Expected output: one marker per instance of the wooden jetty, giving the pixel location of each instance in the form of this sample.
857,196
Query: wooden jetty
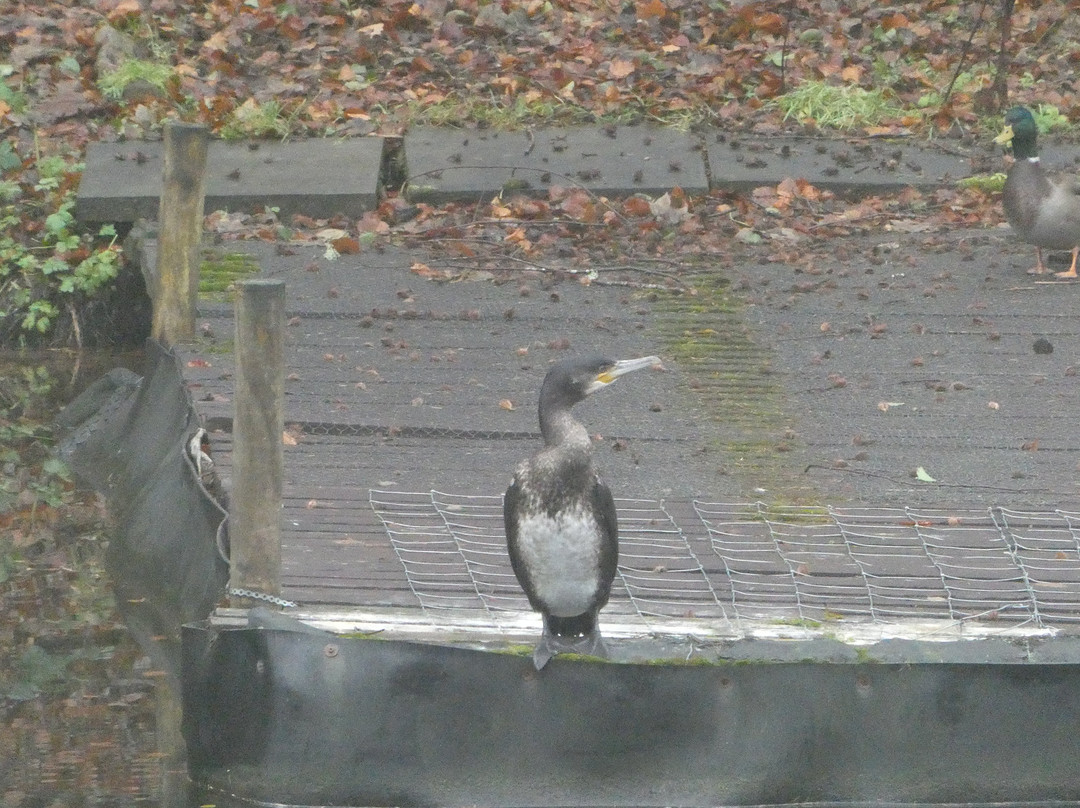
767,654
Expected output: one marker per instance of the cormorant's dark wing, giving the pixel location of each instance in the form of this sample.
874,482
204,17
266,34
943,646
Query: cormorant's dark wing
604,508
511,515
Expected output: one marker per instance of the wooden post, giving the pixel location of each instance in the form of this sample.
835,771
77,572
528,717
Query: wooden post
180,216
258,463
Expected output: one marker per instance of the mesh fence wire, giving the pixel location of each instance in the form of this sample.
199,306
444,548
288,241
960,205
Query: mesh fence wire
737,562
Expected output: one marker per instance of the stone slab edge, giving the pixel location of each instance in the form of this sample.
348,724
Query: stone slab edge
319,178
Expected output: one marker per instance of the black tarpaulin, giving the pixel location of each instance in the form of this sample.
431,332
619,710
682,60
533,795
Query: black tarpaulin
125,437
279,712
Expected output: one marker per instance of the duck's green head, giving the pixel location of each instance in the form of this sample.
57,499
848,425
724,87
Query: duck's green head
1020,133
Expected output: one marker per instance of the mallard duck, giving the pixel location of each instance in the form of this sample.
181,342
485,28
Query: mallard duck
1043,209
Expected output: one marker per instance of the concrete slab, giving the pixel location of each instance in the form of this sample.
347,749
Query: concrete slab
864,165
319,178
448,164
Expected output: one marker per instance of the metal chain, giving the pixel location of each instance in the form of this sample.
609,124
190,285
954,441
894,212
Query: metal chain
251,595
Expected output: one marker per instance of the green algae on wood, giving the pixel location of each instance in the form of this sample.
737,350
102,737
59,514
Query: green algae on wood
220,271
732,378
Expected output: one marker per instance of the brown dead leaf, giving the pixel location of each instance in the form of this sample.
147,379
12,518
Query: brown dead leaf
346,245
123,11
621,68
852,73
651,9
371,223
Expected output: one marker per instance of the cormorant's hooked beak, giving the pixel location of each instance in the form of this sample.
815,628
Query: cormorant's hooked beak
621,368
1006,136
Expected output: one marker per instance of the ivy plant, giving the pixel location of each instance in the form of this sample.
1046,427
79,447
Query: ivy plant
48,265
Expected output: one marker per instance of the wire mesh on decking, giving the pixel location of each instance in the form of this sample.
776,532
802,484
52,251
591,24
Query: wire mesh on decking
728,566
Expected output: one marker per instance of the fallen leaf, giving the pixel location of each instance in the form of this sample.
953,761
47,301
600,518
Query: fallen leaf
346,245
621,68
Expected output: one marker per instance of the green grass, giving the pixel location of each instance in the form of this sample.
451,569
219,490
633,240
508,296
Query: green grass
830,106
113,84
252,119
524,111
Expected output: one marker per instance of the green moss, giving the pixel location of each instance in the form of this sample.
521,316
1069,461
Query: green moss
863,656
732,380
799,622
218,273
362,635
696,662
582,658
516,650
988,183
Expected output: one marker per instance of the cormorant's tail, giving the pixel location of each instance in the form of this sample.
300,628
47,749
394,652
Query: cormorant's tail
569,635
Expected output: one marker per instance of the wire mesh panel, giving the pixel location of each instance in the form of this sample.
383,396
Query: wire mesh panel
453,551
828,582
1046,549
901,579
759,580
979,574
719,564
477,524
436,569
659,571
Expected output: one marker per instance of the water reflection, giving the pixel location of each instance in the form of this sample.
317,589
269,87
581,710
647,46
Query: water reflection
86,716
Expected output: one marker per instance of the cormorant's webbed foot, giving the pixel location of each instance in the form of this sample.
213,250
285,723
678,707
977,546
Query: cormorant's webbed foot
590,644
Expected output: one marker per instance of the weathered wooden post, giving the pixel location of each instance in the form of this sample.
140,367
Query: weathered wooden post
258,462
180,218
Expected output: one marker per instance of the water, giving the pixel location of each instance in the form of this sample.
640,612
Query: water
79,706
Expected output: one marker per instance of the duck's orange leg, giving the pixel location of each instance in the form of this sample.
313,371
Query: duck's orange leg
1071,272
1040,267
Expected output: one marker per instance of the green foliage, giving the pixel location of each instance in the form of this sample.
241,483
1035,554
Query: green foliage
491,111
1048,118
987,183
837,107
33,671
13,98
24,442
47,264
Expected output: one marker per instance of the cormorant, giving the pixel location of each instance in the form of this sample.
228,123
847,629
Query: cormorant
560,521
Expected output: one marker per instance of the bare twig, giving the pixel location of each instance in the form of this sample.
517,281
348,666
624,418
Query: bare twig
78,343
963,54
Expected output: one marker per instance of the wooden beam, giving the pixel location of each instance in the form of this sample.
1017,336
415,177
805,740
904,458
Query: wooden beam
258,462
180,219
